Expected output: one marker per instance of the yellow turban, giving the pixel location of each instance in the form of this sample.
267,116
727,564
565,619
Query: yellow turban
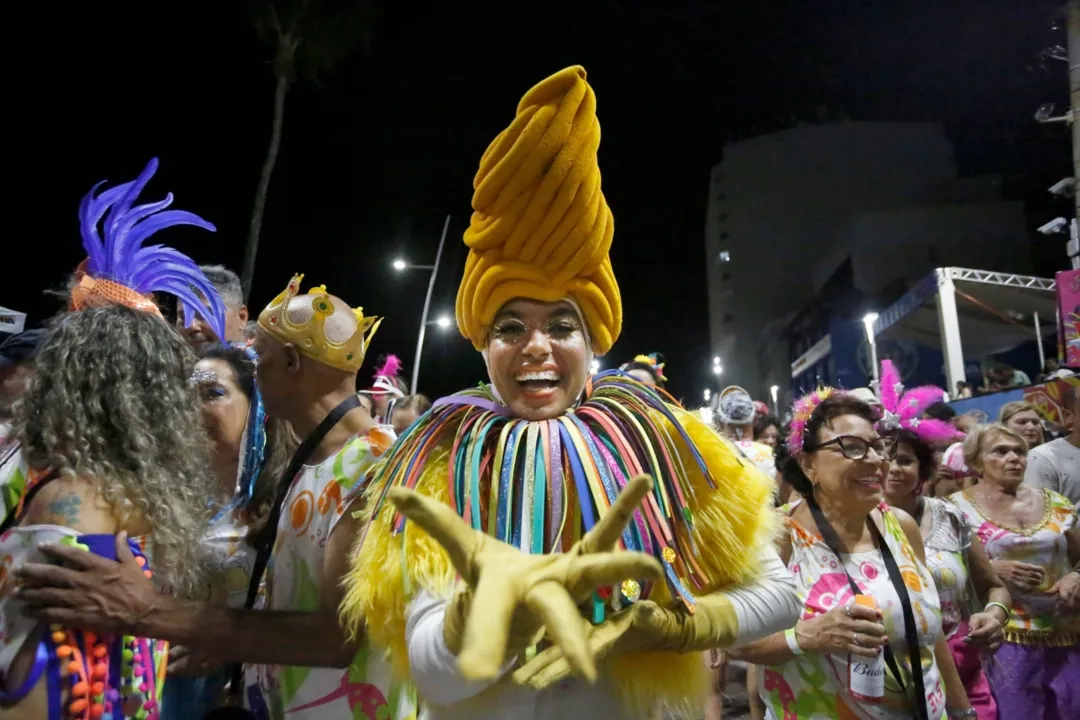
540,227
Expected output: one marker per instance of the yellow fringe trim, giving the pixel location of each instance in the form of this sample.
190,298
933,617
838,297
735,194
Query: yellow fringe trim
1035,638
730,524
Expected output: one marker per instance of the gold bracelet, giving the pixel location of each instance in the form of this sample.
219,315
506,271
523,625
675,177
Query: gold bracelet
1008,613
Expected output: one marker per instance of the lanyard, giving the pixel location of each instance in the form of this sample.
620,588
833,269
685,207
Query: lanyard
828,534
264,543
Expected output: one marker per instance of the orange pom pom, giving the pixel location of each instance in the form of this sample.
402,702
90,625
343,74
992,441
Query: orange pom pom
97,688
80,689
140,561
59,636
78,706
100,651
148,574
63,651
74,667
96,711
100,671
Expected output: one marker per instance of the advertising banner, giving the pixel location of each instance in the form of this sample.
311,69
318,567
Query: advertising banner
1068,295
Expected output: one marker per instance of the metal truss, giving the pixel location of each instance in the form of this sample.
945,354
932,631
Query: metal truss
1001,279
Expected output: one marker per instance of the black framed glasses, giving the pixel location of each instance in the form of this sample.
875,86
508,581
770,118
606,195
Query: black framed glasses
854,447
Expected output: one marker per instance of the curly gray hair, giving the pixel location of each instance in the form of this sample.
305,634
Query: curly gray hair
110,402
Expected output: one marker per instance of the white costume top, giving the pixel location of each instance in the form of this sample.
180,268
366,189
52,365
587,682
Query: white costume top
766,606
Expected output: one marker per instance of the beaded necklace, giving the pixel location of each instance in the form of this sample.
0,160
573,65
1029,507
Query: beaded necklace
106,678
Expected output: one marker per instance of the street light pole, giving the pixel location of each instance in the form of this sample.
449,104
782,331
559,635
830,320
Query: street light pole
1072,19
871,337
427,306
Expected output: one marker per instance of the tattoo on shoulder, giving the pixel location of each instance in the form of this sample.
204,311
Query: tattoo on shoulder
66,507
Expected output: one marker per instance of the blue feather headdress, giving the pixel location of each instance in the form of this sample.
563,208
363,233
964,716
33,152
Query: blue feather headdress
119,270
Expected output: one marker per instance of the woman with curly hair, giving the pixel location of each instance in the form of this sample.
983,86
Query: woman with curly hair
113,448
110,421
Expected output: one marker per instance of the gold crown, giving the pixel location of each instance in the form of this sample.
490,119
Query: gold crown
319,325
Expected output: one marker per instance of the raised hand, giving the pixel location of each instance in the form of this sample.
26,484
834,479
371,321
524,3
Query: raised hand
510,590
642,625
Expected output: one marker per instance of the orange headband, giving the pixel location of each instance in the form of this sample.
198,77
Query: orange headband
97,292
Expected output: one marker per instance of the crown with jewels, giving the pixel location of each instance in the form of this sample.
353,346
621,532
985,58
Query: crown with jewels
316,328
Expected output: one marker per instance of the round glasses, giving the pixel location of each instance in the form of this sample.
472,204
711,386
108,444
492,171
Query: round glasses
854,447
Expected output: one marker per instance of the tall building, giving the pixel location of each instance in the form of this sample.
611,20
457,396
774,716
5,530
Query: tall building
788,209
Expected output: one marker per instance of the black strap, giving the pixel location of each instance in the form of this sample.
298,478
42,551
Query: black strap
264,543
831,539
14,516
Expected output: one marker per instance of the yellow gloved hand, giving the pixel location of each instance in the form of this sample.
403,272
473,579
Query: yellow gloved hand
510,589
642,626
525,629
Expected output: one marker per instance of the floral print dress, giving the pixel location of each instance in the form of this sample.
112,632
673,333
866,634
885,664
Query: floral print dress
815,687
1035,617
947,546
1036,672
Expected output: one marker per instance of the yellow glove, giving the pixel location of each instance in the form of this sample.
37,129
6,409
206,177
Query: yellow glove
510,590
525,629
642,626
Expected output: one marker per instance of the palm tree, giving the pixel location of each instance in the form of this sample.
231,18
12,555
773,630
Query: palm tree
308,38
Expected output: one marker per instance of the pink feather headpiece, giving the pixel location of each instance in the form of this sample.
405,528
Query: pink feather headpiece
801,413
902,409
385,377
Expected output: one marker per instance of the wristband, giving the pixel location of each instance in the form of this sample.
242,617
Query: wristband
1008,613
969,712
792,642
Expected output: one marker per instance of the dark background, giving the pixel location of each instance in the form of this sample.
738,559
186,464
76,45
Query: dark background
385,147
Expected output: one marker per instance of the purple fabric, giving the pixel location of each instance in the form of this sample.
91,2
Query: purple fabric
1036,682
969,666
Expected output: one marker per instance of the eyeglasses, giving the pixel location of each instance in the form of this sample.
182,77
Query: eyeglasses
854,447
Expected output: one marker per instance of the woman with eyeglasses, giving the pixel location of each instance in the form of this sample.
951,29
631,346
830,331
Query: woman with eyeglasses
870,607
1032,539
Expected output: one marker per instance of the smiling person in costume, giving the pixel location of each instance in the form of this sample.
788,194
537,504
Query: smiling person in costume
527,488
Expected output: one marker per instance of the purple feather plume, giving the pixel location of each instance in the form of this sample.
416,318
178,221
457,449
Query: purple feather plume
121,257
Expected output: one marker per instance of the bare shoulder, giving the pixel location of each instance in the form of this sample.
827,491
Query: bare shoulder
70,502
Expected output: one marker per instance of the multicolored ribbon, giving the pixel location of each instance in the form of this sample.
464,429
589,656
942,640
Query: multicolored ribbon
554,479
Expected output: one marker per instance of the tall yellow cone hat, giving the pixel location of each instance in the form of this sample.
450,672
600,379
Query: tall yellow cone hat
540,227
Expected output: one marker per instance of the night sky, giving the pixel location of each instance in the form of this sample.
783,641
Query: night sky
376,155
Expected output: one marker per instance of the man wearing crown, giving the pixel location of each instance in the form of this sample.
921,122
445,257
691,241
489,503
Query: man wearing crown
310,347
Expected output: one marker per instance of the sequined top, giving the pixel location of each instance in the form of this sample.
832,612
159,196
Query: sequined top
1035,618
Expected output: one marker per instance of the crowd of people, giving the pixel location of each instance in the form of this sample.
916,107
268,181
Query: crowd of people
212,516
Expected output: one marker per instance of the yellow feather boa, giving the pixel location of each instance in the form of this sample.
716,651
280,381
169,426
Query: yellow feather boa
731,522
